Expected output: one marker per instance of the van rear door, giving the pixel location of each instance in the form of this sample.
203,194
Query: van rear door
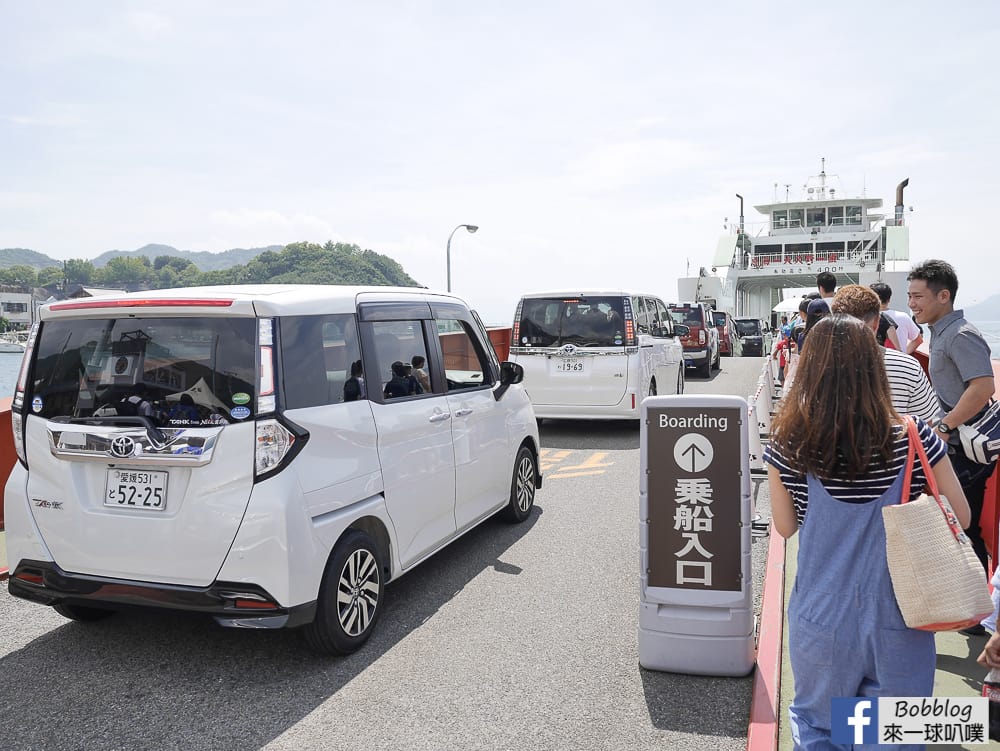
572,349
157,497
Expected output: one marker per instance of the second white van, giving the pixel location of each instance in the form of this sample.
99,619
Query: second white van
596,353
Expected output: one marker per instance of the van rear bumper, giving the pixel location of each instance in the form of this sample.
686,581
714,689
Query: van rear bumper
232,604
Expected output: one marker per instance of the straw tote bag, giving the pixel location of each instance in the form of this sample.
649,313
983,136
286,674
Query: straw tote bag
939,582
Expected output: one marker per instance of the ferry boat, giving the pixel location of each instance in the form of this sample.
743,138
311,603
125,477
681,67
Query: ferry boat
756,271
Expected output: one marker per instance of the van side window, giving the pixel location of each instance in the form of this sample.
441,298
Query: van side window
641,315
466,364
663,319
318,354
397,345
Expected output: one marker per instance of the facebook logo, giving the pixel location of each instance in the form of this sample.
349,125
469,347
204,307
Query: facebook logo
854,720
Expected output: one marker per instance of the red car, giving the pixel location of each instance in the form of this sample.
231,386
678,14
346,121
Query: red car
729,337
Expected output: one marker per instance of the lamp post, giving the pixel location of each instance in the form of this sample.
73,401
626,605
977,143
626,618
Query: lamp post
472,229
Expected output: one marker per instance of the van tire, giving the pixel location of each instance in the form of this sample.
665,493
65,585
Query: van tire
705,371
652,387
354,571
522,487
680,379
82,613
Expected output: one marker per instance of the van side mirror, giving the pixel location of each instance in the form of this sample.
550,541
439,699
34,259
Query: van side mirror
510,373
681,329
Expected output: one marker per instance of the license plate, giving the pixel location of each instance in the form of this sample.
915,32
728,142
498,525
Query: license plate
141,489
570,366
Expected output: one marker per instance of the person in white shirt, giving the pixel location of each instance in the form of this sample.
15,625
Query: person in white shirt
907,331
826,283
911,390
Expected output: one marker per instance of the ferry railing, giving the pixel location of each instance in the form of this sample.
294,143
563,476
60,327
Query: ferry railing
858,254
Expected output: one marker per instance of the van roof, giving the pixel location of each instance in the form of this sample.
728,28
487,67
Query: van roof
590,292
250,299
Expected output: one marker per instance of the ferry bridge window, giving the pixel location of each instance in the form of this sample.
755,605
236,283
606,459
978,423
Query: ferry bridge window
816,217
780,219
795,217
836,215
854,215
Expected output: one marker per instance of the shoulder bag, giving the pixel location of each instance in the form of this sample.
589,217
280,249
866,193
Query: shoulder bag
939,583
981,437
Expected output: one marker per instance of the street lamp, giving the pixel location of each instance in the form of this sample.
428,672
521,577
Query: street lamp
472,229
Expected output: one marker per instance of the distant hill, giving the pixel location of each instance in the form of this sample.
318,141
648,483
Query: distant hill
202,259
24,257
987,310
303,262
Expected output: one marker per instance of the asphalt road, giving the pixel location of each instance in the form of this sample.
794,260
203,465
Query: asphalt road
515,637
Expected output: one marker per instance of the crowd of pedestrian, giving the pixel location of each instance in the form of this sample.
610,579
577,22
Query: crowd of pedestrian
838,455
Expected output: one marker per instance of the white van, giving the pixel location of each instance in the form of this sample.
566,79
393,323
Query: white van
260,454
596,353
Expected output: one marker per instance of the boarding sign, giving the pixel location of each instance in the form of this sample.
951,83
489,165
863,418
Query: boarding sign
695,593
694,479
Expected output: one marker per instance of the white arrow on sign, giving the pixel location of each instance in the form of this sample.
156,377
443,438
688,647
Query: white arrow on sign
693,452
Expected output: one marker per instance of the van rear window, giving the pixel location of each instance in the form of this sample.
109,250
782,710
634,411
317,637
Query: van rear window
179,371
583,321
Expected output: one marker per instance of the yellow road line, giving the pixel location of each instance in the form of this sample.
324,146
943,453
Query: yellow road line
573,474
594,460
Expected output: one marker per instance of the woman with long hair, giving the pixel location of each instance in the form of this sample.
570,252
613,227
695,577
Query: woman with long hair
837,455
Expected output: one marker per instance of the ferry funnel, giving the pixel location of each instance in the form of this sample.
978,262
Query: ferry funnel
899,201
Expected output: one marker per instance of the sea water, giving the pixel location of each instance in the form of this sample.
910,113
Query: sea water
10,362
10,365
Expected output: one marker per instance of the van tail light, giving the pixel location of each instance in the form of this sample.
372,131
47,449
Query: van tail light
17,425
16,415
274,442
629,323
702,337
265,367
515,330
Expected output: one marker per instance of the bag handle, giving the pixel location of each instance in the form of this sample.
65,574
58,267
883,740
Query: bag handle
916,446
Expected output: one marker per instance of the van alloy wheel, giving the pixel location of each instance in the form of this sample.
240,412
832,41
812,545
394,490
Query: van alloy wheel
357,593
350,596
522,486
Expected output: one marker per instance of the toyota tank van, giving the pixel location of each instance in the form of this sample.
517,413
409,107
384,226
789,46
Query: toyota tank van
237,451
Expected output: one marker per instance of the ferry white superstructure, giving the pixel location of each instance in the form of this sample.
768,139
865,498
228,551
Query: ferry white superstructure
822,231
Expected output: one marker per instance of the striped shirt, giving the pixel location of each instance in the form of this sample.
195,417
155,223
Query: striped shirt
866,488
912,393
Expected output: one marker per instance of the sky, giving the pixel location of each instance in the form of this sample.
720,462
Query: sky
594,144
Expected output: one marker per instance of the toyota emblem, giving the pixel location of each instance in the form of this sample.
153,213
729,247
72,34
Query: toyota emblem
122,446
568,350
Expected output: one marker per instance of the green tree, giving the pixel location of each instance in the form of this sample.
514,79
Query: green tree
19,276
50,275
79,271
126,271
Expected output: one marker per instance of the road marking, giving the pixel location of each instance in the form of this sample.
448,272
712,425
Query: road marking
574,474
591,465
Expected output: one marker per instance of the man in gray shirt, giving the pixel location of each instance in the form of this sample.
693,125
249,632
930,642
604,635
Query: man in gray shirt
960,371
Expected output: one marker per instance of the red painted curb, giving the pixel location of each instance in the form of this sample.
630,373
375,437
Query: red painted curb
765,703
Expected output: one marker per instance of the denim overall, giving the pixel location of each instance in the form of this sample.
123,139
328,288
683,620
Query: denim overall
846,636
